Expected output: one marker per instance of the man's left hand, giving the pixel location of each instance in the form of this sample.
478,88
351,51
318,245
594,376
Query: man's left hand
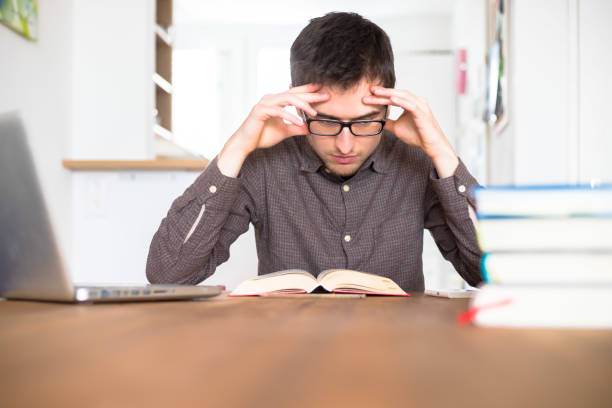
417,126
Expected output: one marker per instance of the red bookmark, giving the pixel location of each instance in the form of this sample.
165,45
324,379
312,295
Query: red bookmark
469,315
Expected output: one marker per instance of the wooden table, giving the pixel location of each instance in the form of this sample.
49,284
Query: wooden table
291,352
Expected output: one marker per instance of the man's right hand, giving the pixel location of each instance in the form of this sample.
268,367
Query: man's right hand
264,127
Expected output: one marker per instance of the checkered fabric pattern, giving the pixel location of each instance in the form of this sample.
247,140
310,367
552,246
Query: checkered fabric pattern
309,219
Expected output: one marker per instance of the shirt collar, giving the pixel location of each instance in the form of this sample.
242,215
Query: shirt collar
311,162
377,160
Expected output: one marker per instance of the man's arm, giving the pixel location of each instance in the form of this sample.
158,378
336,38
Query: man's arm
264,127
447,206
447,216
195,236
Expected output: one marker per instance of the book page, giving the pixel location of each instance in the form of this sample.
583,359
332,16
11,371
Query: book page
348,280
285,272
288,280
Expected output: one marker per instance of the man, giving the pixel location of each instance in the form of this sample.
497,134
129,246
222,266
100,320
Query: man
337,186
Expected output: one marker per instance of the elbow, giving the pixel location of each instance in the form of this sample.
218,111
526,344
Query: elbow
153,274
158,273
155,270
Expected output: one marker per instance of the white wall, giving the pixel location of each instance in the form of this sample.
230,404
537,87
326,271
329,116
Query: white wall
534,146
115,216
36,81
539,70
112,64
595,79
469,34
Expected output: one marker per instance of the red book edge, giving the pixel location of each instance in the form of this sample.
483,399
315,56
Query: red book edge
469,315
335,291
369,293
271,293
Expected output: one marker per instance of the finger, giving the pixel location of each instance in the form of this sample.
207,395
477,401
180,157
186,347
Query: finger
393,100
406,104
388,92
298,102
306,88
286,99
376,100
404,99
314,97
288,116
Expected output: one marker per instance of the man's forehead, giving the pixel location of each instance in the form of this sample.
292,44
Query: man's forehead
347,103
362,88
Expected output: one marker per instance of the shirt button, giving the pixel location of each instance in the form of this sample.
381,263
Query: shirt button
346,188
212,189
347,238
461,188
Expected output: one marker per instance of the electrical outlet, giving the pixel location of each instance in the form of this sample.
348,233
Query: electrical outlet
97,197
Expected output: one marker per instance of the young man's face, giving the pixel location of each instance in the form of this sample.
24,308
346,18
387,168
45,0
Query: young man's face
344,153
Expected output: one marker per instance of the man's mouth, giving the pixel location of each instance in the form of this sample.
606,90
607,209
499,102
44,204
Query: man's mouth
344,159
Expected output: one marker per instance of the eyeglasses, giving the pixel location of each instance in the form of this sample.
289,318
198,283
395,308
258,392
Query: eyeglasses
330,127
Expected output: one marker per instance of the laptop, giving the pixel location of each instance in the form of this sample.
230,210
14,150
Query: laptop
31,265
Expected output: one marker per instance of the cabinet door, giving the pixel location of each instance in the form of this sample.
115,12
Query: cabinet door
595,53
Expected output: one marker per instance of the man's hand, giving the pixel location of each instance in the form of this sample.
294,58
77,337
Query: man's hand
264,127
417,126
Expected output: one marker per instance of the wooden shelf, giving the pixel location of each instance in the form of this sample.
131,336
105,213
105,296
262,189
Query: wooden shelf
162,74
155,164
164,13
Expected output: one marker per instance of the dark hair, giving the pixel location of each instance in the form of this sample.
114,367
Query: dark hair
339,50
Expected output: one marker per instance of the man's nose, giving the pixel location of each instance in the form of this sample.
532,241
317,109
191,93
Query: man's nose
345,141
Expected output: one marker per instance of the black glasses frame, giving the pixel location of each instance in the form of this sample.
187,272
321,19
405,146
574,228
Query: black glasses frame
347,124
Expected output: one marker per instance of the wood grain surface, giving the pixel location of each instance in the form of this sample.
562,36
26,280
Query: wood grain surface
118,165
291,352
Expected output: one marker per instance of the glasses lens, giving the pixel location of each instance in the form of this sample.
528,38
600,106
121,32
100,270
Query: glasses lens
366,128
322,127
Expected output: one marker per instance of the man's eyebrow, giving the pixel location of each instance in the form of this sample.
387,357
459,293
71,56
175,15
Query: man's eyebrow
362,117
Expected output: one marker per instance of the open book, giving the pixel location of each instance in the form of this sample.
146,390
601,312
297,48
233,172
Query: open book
332,280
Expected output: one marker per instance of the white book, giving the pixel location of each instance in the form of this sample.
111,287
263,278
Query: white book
544,201
331,280
545,234
536,306
562,268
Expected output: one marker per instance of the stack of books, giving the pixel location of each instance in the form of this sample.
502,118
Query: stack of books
548,256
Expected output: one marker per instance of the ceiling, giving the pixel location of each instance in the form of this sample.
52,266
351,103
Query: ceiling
290,13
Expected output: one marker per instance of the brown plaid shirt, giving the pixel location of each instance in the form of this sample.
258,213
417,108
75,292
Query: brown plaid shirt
308,219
